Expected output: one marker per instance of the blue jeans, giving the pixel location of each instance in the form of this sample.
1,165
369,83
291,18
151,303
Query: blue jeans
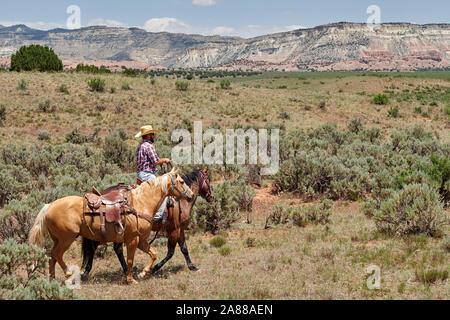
146,176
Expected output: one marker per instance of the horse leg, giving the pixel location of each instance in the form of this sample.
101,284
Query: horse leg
185,251
118,249
52,262
58,253
131,250
145,246
88,248
171,244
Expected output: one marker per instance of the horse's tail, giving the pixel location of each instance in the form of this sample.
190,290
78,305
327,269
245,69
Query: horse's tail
39,229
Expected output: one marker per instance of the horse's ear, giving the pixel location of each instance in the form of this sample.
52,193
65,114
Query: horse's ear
173,170
205,169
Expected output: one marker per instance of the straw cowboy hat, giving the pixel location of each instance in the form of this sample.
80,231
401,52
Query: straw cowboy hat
145,130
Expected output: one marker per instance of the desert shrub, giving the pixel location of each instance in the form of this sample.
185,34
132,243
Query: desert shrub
22,268
22,85
46,107
217,242
16,181
97,85
35,57
414,210
285,116
224,251
322,105
76,137
117,151
429,276
182,85
394,112
225,84
381,99
16,220
221,212
355,125
63,89
112,90
299,216
446,110
44,135
2,113
126,86
130,73
92,69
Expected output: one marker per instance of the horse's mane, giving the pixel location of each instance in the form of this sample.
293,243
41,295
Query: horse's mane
190,178
162,181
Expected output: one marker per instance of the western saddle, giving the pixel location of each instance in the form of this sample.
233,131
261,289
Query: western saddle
110,205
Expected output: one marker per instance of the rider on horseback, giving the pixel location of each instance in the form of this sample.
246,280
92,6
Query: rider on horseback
147,160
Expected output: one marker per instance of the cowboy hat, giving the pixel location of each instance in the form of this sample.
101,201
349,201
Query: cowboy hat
145,130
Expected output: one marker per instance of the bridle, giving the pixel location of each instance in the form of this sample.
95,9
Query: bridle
174,187
205,182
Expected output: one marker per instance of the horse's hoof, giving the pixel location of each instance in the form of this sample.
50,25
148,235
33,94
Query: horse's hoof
142,275
193,268
84,276
132,281
68,275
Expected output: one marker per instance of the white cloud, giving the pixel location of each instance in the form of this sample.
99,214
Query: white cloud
107,22
204,3
223,31
167,25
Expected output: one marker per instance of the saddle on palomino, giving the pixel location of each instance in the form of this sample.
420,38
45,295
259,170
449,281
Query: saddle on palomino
110,205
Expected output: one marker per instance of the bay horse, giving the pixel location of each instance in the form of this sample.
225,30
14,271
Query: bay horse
178,220
64,221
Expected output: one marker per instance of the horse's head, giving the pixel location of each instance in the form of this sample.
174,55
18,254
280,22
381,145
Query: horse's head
205,186
179,188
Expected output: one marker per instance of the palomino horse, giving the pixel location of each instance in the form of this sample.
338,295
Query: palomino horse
64,221
199,183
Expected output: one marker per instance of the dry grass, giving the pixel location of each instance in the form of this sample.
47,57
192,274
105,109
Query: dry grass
315,262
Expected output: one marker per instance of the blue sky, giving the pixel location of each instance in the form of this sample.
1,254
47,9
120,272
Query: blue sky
245,18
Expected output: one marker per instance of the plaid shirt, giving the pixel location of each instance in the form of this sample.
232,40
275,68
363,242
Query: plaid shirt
146,157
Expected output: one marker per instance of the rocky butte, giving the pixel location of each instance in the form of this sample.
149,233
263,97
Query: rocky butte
337,46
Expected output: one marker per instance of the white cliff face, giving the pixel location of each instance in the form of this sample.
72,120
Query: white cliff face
340,46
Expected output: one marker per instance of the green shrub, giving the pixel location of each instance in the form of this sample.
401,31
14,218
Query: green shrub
76,137
394,112
431,275
299,216
63,89
414,210
381,99
224,251
22,85
225,84
35,57
2,113
46,107
220,213
113,90
92,69
44,135
97,85
130,73
446,110
182,85
126,86
117,151
22,268
217,242
355,125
